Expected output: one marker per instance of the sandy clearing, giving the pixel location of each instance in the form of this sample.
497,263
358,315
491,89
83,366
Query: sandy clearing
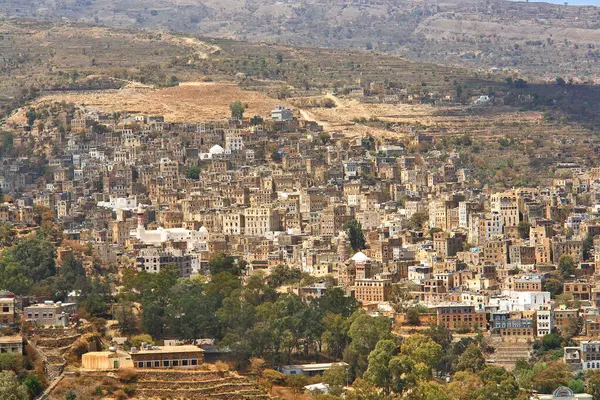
195,102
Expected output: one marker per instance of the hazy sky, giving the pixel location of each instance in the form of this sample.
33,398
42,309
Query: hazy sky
574,2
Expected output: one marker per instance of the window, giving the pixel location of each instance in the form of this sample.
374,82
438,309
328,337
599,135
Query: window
157,363
166,362
184,362
148,364
175,362
140,364
194,361
5,309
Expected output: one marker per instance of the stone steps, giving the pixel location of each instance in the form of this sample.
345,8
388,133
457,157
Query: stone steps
172,375
195,393
192,384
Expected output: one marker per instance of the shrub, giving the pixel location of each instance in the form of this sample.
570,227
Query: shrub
71,395
273,376
129,390
120,395
256,366
33,385
296,382
222,366
11,361
137,340
128,375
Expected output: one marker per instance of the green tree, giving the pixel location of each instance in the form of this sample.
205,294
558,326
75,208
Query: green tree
523,229
72,276
428,391
284,275
193,172
554,284
221,286
471,360
499,384
566,266
417,220
7,233
93,296
593,383
378,371
137,340
365,332
442,336
577,385
31,260
355,234
336,377
551,341
573,327
11,362
124,314
335,335
31,115
237,110
363,390
192,311
465,385
412,316
33,385
336,301
10,388
401,298
422,349
549,377
221,262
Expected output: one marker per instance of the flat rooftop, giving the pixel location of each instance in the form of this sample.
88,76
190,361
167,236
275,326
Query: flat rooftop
169,350
43,305
314,367
10,339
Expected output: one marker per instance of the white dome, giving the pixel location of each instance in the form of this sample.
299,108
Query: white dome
216,149
203,229
360,257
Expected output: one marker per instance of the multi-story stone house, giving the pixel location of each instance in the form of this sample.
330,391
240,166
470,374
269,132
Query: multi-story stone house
260,220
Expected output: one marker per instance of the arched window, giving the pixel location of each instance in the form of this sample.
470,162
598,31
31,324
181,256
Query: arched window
166,362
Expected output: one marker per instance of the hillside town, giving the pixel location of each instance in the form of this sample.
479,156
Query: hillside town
109,220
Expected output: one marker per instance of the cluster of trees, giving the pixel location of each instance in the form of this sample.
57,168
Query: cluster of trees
11,387
21,377
405,366
249,317
29,268
253,320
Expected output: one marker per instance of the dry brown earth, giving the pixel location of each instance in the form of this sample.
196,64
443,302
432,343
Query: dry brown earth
191,102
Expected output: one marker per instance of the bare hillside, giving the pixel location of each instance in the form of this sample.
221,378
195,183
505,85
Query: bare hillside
538,40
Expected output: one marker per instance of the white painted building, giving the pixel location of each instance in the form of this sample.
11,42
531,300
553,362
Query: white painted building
511,300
